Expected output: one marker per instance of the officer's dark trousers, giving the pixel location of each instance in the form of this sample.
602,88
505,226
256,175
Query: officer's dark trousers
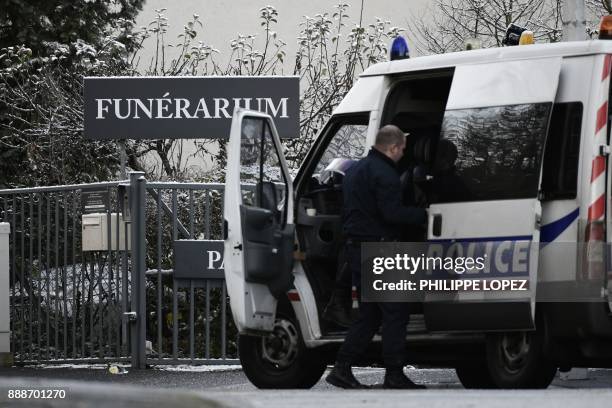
392,316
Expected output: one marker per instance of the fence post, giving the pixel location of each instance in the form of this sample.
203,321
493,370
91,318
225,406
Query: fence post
6,358
138,209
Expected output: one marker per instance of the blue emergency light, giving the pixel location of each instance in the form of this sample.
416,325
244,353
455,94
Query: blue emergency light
399,49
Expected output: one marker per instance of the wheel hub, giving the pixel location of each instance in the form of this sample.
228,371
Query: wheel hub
514,350
281,346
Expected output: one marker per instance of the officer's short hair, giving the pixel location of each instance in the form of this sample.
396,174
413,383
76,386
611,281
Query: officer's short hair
389,135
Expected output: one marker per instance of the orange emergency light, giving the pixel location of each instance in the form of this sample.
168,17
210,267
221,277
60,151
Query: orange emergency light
526,38
605,28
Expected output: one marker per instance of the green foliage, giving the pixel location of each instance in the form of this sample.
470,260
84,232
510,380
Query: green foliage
34,22
41,114
46,47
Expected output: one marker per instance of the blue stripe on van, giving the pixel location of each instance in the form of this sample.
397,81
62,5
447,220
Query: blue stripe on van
486,239
550,232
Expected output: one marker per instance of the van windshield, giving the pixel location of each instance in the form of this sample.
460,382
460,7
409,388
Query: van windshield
491,153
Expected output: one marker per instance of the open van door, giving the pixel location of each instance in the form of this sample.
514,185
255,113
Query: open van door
489,159
258,222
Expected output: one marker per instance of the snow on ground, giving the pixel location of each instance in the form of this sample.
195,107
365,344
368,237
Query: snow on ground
168,367
198,368
97,366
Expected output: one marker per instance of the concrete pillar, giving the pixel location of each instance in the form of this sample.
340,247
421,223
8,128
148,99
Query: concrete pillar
6,358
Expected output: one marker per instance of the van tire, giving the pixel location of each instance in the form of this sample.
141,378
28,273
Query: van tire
517,360
475,376
301,369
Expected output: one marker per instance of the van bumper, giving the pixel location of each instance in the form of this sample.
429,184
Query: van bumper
478,316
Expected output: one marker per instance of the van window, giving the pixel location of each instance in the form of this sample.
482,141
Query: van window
491,153
416,104
560,168
260,163
348,142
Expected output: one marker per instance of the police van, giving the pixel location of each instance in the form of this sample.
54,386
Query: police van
530,125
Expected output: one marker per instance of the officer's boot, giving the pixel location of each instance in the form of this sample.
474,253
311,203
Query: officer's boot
342,376
396,379
338,310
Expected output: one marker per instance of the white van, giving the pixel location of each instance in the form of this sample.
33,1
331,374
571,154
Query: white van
531,128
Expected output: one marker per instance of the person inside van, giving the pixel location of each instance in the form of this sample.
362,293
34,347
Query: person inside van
446,185
414,170
373,212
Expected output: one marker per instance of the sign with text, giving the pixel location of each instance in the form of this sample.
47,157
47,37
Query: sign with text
198,259
185,107
94,201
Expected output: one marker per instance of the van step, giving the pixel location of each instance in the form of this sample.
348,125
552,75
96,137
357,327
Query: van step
415,326
423,338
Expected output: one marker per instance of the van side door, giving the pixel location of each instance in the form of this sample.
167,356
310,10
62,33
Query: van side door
486,182
258,218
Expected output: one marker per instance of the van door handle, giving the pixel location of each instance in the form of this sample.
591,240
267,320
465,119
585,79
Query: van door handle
437,225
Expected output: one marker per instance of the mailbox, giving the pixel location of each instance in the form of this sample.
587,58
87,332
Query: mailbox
95,228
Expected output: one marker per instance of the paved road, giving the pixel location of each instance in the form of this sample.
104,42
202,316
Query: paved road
146,388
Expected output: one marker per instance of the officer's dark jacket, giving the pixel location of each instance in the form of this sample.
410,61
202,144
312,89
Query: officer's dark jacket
372,200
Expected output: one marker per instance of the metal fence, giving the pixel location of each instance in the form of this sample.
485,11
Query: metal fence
65,304
121,303
190,321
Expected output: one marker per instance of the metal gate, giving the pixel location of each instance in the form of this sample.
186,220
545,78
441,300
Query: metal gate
119,303
192,321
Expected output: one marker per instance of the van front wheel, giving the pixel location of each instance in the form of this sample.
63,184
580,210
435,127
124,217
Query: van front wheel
517,360
281,359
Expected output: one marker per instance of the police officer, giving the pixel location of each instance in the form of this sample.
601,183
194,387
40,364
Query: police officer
373,211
